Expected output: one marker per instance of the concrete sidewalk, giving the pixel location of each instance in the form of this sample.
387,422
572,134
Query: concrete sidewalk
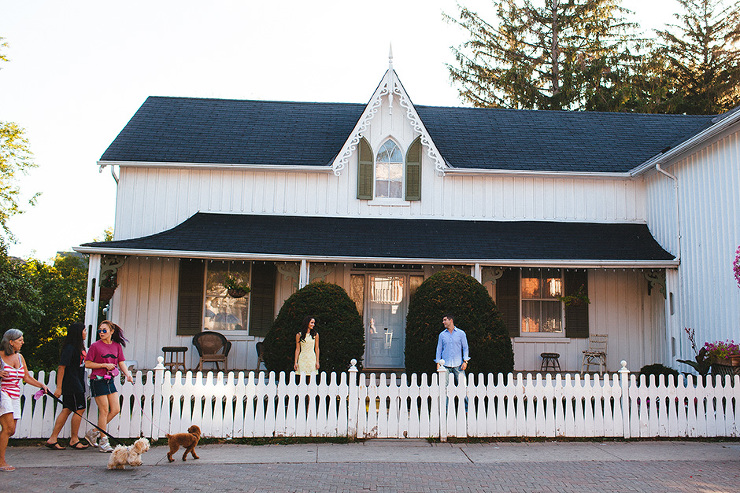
393,466
399,451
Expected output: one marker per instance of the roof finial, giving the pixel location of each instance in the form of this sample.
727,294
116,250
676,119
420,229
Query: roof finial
390,56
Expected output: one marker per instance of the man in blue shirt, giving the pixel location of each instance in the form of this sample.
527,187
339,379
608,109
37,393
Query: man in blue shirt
452,348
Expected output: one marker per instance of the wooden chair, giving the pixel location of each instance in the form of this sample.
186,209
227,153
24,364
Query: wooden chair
258,346
596,353
212,347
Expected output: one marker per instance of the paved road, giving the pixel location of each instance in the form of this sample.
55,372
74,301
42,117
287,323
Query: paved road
394,465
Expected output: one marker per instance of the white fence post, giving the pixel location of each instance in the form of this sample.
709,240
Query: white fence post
352,403
624,375
442,383
158,402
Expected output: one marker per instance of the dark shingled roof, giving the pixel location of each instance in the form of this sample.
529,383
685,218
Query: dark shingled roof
188,130
400,239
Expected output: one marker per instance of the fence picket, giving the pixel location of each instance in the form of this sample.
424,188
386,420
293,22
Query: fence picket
415,406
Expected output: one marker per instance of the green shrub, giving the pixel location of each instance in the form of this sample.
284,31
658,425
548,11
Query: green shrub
339,325
475,313
658,369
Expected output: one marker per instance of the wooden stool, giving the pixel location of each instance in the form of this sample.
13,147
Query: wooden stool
550,361
174,357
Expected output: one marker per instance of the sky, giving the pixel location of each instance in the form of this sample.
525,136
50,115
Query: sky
79,70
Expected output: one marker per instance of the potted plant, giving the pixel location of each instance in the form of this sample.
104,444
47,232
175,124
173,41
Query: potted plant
701,362
236,287
724,353
577,299
108,285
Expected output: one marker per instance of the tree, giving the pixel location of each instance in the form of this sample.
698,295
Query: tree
15,158
703,57
565,54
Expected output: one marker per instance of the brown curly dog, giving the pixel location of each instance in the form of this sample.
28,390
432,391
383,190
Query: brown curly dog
187,440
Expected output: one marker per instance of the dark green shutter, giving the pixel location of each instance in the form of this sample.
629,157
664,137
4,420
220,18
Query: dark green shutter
507,300
413,171
190,297
262,299
576,316
365,171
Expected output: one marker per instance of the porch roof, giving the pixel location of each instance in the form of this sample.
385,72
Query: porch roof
343,239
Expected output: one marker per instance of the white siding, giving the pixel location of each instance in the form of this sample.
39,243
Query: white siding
621,308
706,296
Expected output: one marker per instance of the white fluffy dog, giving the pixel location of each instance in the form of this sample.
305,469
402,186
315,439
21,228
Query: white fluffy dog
130,455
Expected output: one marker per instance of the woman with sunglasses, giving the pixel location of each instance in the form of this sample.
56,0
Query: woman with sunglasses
105,358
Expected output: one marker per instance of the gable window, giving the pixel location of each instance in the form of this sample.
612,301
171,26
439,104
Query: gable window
389,171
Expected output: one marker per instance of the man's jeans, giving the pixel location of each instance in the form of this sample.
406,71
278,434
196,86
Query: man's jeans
458,374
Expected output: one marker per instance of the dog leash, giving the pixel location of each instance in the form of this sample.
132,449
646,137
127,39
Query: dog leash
49,393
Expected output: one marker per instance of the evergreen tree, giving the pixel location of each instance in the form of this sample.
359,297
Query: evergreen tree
556,54
703,57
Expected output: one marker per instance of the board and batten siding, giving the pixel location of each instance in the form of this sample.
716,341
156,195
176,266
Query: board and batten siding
152,200
706,296
145,306
621,308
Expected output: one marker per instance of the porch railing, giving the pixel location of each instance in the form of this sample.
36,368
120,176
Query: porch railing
421,406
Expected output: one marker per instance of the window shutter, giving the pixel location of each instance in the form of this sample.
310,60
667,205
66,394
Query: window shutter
365,171
413,171
507,300
190,297
262,299
576,316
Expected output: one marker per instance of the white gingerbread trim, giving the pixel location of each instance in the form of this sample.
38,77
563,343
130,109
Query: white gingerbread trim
390,86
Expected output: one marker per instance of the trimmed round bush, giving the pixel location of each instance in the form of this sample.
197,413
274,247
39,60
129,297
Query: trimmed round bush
475,313
339,325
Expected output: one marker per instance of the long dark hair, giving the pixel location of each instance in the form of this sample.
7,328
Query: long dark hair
305,329
74,337
117,335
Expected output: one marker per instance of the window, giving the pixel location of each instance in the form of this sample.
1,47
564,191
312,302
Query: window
389,171
541,308
203,302
222,312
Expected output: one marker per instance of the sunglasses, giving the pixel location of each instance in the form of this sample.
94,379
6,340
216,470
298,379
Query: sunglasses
102,331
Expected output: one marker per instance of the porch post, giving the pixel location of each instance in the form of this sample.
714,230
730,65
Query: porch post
93,291
477,273
303,275
442,384
353,404
624,375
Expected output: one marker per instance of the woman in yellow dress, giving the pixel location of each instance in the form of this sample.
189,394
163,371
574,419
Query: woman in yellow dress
307,349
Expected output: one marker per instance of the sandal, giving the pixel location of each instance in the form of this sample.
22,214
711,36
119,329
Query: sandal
78,446
54,446
7,468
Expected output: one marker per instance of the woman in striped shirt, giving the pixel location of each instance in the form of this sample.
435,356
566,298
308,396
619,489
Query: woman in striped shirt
12,370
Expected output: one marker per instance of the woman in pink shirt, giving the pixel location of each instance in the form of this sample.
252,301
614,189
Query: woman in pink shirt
12,370
105,358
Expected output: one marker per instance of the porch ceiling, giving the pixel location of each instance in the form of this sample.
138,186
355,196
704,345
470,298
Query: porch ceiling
207,235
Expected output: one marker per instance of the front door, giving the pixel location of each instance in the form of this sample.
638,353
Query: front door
385,320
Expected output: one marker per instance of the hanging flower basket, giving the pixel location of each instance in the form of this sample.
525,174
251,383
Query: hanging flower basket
106,293
237,293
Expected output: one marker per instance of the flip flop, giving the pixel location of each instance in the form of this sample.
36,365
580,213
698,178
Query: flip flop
7,468
78,446
54,446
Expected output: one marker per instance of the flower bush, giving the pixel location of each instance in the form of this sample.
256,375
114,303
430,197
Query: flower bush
721,349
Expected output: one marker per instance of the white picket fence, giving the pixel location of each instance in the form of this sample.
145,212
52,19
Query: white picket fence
386,406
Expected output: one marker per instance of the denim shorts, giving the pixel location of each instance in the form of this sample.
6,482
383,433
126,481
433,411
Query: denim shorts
101,386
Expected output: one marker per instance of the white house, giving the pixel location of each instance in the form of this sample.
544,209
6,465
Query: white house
639,212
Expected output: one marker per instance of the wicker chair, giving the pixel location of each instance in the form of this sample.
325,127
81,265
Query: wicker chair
212,347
